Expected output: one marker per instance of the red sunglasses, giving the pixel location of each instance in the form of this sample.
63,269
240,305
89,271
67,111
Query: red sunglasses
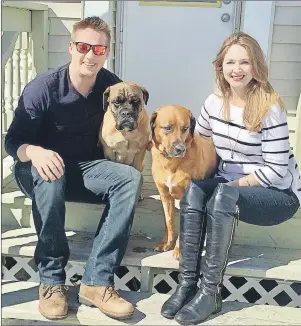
84,48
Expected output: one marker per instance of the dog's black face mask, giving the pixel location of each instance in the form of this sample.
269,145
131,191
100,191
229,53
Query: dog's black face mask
126,110
126,105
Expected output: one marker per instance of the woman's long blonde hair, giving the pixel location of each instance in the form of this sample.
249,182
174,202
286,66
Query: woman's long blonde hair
260,95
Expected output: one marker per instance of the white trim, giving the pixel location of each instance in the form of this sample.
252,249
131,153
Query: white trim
119,39
102,9
238,10
257,21
122,27
99,8
297,145
25,5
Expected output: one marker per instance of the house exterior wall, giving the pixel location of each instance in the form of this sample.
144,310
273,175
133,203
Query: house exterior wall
62,16
285,60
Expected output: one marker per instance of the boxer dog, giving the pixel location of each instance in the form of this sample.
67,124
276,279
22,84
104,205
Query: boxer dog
125,131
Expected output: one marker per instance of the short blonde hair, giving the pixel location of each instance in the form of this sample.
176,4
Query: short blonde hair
95,23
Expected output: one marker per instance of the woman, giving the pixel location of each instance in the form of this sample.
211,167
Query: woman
257,179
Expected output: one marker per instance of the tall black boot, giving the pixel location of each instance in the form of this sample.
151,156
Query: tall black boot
192,234
221,218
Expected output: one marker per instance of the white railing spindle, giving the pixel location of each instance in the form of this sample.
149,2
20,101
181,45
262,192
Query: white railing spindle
16,72
3,102
17,75
24,60
8,99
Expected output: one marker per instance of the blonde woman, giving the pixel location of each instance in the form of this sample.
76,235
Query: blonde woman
257,180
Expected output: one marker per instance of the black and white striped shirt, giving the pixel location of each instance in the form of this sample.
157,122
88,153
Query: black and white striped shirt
265,154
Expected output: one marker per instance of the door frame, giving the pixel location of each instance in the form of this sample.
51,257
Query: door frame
121,23
245,14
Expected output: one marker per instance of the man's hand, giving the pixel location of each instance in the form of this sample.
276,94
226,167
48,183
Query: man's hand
48,163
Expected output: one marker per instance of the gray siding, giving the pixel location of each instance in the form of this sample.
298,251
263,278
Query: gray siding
285,59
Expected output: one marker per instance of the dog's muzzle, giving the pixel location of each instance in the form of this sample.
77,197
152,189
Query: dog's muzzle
126,119
177,150
127,124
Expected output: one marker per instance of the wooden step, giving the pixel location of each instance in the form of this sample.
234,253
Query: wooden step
250,261
20,301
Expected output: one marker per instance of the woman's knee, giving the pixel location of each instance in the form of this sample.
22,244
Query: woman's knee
224,198
194,196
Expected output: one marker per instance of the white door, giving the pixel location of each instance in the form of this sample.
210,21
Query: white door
170,49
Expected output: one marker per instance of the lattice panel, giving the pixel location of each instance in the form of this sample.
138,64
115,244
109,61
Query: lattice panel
24,269
242,289
128,278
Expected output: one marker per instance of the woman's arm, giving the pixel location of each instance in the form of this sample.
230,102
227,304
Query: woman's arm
275,151
203,123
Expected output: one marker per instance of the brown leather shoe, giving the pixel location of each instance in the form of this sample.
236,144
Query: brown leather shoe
107,300
53,301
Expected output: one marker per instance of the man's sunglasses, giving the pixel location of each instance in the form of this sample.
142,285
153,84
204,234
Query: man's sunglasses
84,48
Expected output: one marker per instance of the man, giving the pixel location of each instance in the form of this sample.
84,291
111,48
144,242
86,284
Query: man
53,138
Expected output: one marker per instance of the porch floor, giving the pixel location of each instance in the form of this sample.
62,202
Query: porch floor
19,301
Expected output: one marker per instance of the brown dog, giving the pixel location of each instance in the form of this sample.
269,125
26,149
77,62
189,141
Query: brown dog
125,131
178,155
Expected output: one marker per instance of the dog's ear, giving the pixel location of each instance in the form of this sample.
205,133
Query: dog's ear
192,124
145,95
153,122
106,95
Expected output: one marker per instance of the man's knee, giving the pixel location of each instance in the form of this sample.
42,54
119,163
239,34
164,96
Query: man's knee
134,178
52,189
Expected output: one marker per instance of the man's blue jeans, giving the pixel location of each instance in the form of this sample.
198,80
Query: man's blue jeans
100,180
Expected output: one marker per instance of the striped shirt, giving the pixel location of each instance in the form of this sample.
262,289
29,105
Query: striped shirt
265,154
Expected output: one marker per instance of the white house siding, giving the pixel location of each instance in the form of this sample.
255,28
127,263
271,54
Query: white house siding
62,16
285,59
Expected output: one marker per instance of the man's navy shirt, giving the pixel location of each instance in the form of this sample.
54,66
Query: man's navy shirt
51,113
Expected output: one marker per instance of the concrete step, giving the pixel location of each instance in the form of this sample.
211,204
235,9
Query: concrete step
148,221
29,322
20,301
248,261
149,217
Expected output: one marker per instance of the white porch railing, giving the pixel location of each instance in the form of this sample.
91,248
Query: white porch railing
17,73
24,51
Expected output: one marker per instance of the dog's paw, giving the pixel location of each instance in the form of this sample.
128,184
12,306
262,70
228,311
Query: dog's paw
176,253
162,246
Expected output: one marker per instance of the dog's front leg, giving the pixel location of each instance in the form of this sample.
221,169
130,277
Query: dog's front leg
168,203
138,162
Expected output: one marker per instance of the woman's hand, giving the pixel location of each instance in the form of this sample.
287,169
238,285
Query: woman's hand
233,183
247,181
